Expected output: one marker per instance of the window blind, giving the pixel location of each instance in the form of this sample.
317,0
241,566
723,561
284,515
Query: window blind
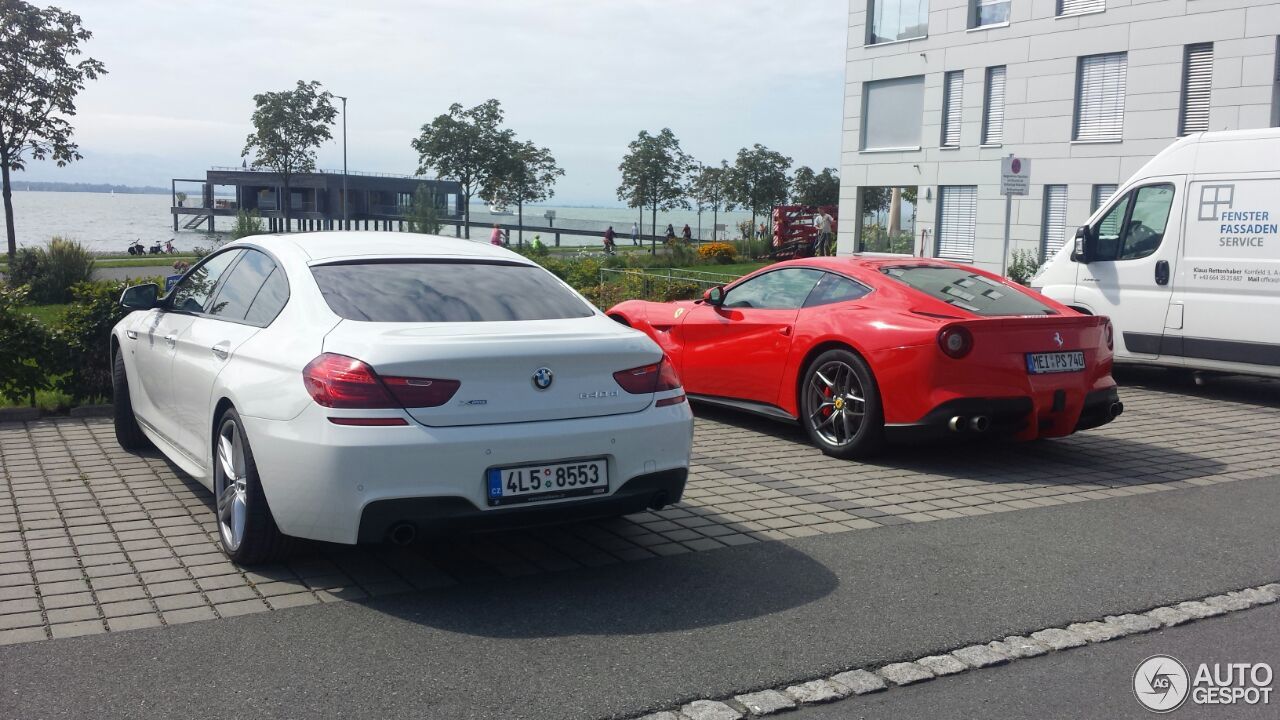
1100,91
1197,83
1054,228
1075,7
993,112
952,104
1101,194
957,222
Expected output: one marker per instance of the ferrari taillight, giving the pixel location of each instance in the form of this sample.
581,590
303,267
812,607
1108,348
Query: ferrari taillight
338,381
956,341
646,379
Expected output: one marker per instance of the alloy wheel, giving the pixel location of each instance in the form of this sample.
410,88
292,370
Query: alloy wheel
835,403
230,486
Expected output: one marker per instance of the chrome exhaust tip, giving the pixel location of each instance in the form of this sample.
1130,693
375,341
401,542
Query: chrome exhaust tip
956,424
980,423
403,534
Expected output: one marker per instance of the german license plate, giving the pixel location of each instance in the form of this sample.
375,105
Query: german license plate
552,481
1056,362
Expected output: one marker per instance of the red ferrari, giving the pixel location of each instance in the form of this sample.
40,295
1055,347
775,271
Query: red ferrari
858,349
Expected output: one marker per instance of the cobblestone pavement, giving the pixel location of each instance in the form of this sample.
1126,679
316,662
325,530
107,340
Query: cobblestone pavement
94,539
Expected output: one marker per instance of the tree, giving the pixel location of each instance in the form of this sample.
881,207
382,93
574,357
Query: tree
464,145
38,88
758,180
288,127
653,175
525,173
708,189
424,214
815,189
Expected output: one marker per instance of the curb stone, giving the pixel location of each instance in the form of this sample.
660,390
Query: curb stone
862,681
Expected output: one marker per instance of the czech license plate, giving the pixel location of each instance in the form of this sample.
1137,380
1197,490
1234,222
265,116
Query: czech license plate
1056,362
553,481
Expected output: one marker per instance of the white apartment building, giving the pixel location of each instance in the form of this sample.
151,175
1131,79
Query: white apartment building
938,91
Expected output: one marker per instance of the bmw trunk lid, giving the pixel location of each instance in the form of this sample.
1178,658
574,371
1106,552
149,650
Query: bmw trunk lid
509,371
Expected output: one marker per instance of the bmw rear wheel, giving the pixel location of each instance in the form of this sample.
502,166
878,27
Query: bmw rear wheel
246,529
840,405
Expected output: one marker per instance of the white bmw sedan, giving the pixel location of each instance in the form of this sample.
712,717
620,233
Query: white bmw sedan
359,387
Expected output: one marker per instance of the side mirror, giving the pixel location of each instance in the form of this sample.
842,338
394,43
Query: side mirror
1083,251
714,296
140,297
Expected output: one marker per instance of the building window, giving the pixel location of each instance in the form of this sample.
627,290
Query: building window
888,219
1100,90
1054,224
952,104
957,222
1197,83
988,12
993,107
1080,7
892,112
1101,194
897,20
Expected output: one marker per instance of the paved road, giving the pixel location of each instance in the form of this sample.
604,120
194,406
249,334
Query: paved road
614,641
1090,682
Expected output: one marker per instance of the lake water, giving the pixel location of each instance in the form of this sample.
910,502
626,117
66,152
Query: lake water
108,223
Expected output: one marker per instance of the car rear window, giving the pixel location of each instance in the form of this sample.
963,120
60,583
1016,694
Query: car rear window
445,291
968,290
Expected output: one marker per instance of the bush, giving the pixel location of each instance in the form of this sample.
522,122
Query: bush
718,252
81,344
248,222
1023,264
752,249
52,271
24,341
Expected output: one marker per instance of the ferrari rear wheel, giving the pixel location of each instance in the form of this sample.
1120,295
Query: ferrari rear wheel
840,405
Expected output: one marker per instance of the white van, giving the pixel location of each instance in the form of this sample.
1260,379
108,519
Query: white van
1185,257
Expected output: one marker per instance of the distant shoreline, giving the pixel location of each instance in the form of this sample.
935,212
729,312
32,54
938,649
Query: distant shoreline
20,186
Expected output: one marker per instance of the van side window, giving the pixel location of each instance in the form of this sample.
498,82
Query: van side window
1134,227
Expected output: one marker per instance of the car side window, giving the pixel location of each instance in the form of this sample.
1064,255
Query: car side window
1134,227
833,289
241,286
784,289
270,299
193,292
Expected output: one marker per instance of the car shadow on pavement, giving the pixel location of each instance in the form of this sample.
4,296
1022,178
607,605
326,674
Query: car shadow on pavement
1260,391
693,591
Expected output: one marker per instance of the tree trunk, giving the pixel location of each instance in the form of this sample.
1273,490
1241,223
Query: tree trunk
895,213
715,221
466,215
8,209
653,247
288,201
520,222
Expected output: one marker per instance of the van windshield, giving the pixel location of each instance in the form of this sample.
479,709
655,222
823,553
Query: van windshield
967,290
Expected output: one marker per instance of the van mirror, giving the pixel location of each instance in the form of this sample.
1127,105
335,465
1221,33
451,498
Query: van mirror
1083,251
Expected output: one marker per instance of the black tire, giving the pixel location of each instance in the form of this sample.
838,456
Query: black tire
827,410
261,540
128,433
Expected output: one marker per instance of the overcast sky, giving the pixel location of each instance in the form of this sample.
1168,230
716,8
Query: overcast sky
581,77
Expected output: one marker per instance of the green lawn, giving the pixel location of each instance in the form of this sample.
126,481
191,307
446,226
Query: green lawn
50,400
47,314
145,261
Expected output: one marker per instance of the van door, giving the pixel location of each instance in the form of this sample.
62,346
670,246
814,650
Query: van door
1227,287
1130,275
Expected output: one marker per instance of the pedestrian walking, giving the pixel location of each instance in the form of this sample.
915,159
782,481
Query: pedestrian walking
825,227
687,234
608,241
495,237
635,234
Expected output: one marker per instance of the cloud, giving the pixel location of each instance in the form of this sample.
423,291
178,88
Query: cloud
579,76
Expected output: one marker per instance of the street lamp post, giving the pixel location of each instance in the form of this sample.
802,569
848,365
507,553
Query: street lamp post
344,162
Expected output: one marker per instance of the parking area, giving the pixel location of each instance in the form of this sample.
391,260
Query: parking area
94,539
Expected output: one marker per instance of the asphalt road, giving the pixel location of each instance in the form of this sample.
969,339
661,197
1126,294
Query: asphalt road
648,635
1089,682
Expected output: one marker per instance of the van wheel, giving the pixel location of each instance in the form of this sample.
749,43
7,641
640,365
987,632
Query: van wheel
840,405
128,433
246,528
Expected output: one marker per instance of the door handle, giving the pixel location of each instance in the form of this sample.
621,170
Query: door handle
171,340
220,351
1162,272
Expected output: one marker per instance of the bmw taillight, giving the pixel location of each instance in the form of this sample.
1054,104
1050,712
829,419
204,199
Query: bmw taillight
338,381
1111,335
956,341
647,379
